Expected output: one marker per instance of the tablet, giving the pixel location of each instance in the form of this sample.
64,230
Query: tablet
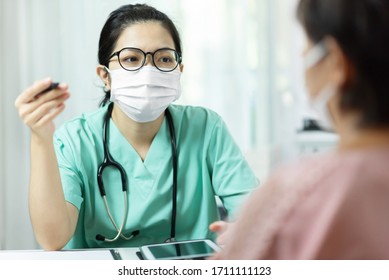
184,250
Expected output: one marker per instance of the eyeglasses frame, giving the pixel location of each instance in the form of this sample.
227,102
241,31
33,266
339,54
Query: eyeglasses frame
179,60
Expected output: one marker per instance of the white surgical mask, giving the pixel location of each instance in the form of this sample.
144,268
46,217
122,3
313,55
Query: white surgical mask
145,94
319,103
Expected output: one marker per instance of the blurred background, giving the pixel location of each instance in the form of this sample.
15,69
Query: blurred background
242,59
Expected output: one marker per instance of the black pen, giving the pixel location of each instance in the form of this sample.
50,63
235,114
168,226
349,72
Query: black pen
52,86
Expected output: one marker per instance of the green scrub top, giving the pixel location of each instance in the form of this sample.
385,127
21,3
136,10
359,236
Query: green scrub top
209,164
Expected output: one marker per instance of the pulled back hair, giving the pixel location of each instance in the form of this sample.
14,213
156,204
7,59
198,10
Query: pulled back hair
361,28
122,18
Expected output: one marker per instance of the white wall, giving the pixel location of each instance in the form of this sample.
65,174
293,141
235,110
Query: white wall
241,59
2,145
15,228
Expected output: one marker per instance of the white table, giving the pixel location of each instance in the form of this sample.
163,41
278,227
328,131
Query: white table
87,254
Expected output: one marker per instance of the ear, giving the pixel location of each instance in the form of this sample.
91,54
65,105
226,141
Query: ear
181,68
338,64
104,76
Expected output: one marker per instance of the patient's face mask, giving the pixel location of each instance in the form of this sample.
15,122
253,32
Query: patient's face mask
145,94
319,103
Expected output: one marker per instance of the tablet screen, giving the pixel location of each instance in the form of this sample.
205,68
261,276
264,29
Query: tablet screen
181,250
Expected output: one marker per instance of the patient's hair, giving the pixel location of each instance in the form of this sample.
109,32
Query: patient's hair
122,18
361,28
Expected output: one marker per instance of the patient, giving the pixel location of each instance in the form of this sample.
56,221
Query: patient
332,206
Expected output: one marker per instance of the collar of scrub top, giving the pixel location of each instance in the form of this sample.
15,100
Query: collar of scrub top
109,161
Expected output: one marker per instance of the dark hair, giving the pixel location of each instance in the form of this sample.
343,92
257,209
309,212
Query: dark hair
361,28
120,19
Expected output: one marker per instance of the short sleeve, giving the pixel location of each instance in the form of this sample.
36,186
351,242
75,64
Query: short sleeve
232,177
70,178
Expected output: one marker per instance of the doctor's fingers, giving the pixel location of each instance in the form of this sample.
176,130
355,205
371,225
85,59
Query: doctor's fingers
219,226
37,98
31,92
25,109
57,92
44,113
50,116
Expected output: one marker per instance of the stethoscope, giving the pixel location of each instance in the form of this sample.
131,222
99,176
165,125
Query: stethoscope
109,161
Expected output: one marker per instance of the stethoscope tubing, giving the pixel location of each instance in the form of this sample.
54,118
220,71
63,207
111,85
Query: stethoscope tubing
119,230
175,170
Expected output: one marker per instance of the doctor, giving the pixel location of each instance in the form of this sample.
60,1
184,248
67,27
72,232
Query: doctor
139,170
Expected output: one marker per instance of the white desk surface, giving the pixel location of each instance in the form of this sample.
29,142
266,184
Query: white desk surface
87,254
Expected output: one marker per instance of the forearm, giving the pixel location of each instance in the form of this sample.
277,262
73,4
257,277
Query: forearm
50,214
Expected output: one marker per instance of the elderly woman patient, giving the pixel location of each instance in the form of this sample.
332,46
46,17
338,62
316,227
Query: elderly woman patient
332,206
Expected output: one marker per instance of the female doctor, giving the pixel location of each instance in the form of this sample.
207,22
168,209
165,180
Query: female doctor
139,170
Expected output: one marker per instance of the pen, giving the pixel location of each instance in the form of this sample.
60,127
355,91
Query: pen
52,86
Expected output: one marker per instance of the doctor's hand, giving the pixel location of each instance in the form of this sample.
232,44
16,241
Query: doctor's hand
220,227
38,110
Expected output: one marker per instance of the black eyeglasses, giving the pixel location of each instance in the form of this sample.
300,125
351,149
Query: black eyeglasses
132,59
